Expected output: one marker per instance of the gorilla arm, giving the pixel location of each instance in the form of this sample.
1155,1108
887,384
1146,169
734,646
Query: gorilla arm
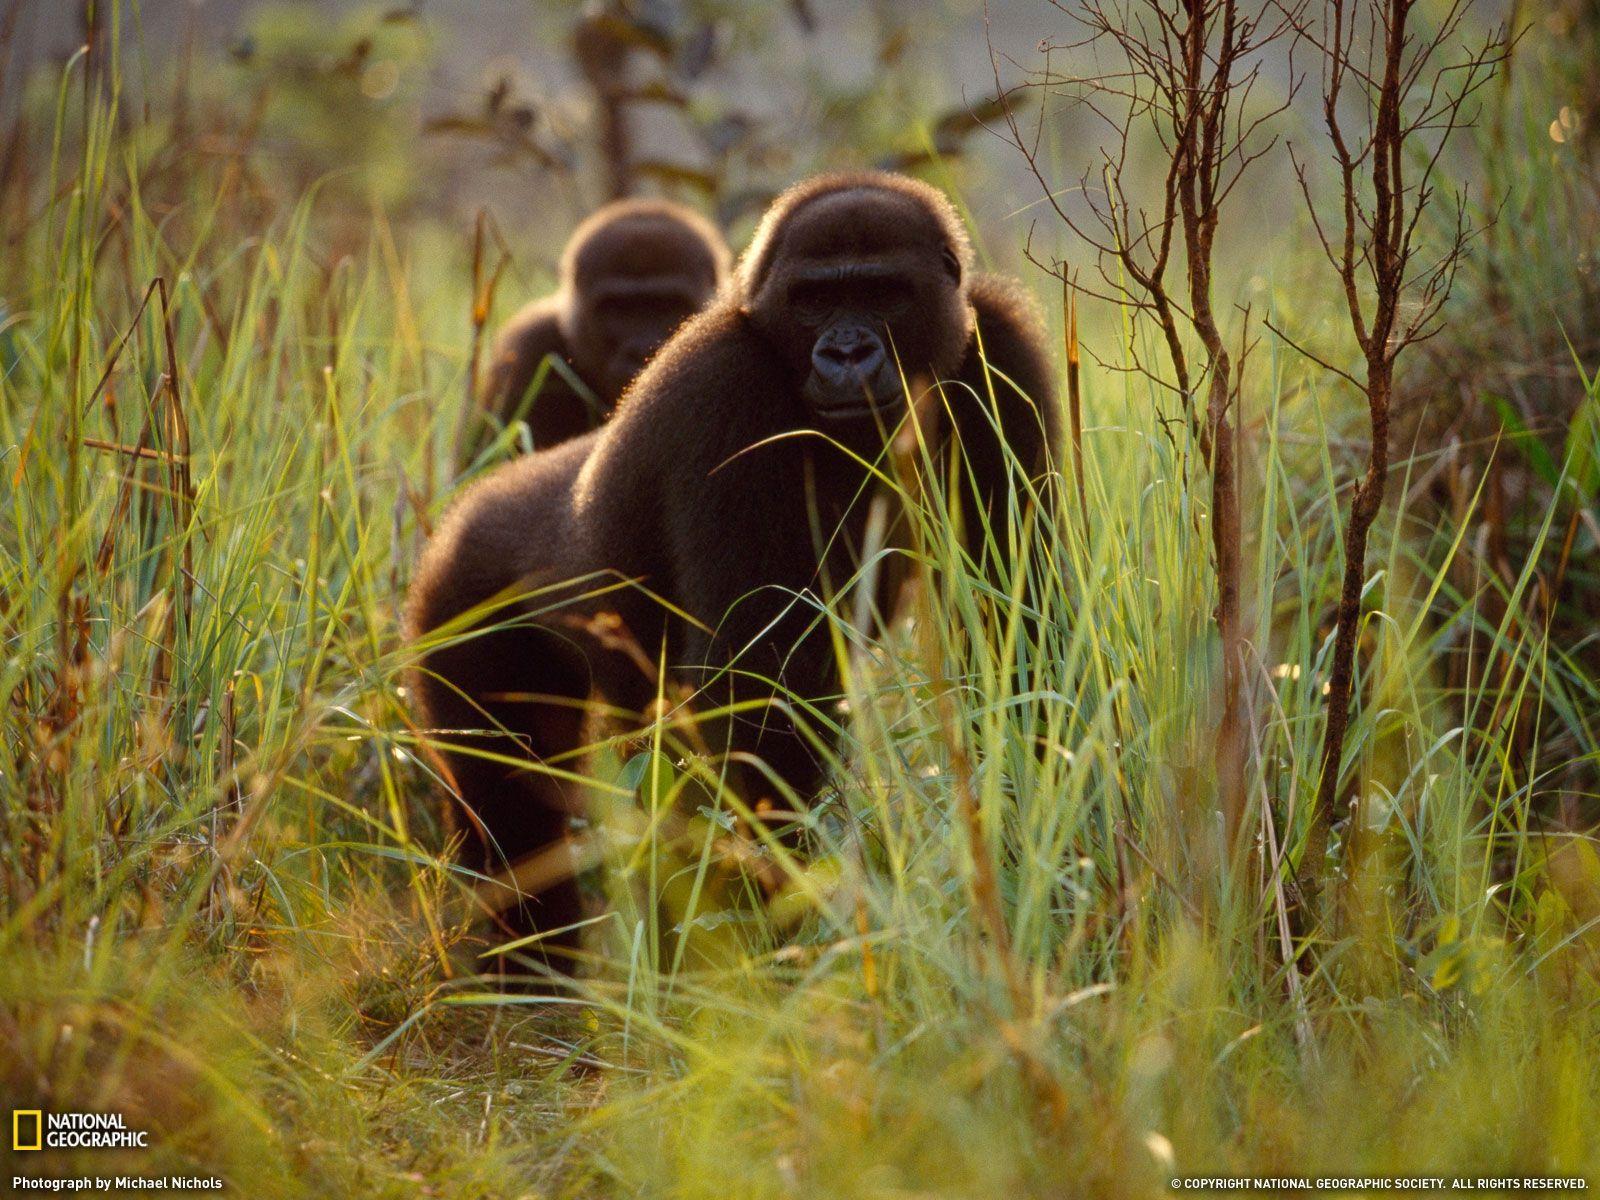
1011,340
558,411
1003,402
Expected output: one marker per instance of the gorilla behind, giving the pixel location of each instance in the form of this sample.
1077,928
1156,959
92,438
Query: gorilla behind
693,495
631,274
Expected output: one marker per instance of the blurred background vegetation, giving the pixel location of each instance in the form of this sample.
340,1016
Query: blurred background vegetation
223,906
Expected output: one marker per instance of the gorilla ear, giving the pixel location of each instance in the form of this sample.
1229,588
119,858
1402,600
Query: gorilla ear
952,264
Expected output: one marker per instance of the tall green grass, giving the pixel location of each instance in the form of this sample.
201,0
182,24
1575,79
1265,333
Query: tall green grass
1012,958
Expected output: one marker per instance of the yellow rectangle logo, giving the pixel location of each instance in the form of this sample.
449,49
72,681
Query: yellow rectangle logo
19,1122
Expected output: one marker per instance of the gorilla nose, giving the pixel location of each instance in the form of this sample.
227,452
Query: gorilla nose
855,355
853,352
849,357
850,371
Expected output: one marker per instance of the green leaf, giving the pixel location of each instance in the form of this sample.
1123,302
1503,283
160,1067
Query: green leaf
1529,443
1583,447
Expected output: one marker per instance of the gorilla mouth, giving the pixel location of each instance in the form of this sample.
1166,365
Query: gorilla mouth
854,396
637,354
852,373
840,413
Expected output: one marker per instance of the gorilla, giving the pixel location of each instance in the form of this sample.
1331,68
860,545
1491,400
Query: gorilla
731,485
632,273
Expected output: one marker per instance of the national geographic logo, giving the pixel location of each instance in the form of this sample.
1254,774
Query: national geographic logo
24,1120
35,1129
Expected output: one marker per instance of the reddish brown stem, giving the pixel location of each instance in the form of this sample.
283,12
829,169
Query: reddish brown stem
1414,100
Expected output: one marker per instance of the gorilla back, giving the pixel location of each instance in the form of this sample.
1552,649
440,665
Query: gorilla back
719,489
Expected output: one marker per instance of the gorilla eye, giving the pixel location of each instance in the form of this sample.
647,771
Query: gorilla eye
886,296
952,264
618,313
882,296
811,301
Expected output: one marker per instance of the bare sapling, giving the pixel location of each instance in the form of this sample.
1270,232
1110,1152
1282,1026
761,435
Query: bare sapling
1185,74
1393,95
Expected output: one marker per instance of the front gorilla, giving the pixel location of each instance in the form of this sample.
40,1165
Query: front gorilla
694,525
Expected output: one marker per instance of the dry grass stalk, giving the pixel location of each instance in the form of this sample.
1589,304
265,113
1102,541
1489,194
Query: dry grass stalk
483,292
1069,325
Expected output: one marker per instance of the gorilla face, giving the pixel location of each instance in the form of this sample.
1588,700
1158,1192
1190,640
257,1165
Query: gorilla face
624,320
860,290
849,315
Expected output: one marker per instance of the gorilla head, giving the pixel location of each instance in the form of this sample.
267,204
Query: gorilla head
634,271
858,280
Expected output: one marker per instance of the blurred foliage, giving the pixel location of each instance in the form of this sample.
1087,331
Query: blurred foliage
1503,401
337,99
669,104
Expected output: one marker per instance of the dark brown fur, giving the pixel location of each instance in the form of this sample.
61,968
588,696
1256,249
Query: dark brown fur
686,494
631,274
